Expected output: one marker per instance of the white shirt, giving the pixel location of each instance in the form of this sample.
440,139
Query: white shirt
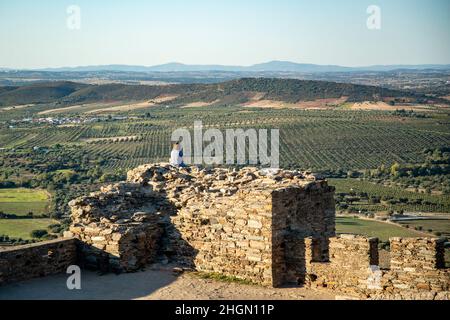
175,159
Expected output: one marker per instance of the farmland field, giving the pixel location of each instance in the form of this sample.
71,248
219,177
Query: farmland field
382,231
441,226
310,139
21,201
429,202
21,228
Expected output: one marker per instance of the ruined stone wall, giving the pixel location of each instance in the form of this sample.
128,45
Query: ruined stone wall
416,269
242,223
231,236
252,235
36,260
416,254
299,213
348,268
118,229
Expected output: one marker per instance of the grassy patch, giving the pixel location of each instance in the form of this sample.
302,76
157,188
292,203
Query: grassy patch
221,277
21,228
22,208
20,201
23,195
382,231
442,226
436,203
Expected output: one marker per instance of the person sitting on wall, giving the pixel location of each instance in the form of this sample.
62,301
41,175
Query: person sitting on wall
176,156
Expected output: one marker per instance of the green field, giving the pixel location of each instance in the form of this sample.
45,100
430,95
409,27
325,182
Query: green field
435,203
21,228
21,201
382,231
22,195
442,226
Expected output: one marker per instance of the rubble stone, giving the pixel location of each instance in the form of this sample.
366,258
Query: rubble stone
214,220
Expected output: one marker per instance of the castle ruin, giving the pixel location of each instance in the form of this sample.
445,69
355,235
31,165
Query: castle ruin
272,228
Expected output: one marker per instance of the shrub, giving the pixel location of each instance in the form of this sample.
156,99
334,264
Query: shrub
55,228
39,233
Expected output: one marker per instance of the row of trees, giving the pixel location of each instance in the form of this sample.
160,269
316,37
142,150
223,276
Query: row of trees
58,170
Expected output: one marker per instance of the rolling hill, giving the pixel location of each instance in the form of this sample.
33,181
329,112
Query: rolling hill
235,91
38,92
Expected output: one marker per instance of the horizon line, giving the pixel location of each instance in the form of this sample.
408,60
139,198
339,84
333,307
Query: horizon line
217,64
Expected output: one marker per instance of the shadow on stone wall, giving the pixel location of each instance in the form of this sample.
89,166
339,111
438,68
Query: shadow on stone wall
302,223
149,237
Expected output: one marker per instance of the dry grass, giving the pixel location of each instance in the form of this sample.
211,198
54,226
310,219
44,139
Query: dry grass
77,108
133,106
317,104
221,277
199,104
383,106
122,107
22,106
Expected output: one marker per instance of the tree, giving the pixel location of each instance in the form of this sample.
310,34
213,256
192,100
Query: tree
39,233
395,169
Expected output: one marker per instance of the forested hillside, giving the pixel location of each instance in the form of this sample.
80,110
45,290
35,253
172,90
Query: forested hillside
236,91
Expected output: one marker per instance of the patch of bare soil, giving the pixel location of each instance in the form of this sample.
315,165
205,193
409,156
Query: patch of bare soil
188,286
317,104
164,98
383,106
123,107
199,104
134,105
77,108
151,285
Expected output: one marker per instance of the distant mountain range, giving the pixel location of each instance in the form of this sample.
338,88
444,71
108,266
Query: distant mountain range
272,66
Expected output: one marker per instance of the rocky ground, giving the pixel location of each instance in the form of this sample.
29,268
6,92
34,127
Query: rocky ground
189,287
152,284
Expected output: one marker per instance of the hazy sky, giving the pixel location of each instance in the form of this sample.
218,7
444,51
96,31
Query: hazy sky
34,33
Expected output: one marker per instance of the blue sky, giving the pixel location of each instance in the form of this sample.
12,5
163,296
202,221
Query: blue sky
34,34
